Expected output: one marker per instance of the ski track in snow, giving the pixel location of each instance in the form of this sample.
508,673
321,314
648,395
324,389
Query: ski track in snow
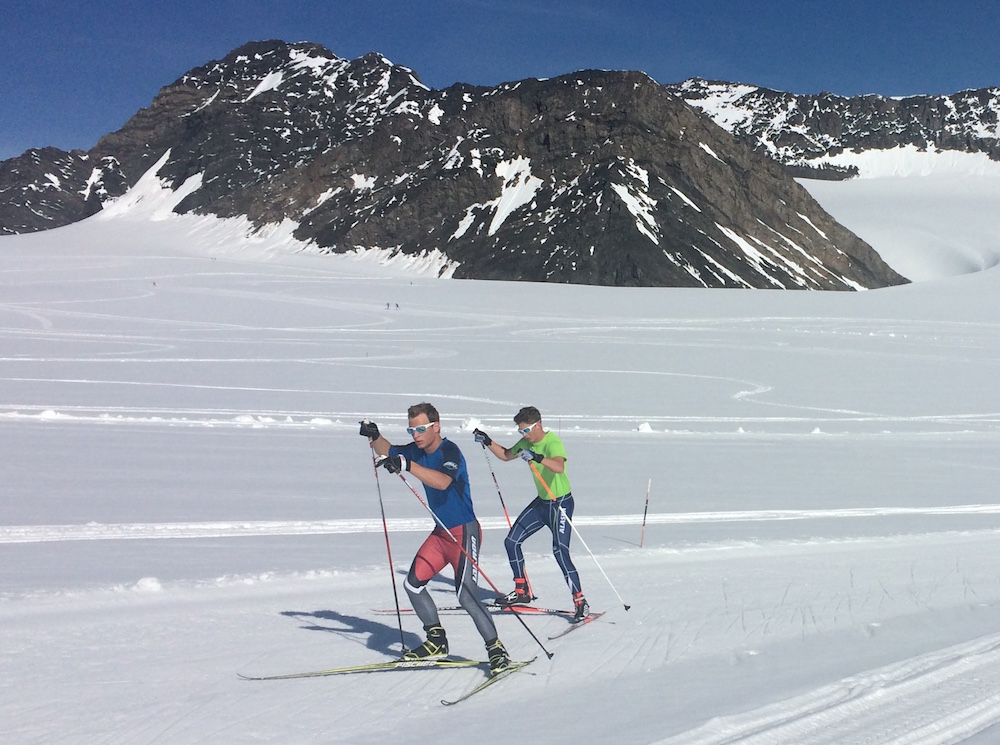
936,698
244,528
262,419
825,464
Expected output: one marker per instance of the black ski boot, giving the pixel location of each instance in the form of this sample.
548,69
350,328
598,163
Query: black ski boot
520,595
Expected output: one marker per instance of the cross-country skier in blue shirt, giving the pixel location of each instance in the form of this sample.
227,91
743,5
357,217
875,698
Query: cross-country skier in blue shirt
438,463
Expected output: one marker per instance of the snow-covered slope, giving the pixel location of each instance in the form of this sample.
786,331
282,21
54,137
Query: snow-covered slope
186,496
925,227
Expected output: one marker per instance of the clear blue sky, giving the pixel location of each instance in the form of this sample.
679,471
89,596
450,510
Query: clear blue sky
73,70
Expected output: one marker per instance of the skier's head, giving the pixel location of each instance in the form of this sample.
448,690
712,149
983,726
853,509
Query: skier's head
527,415
529,424
425,426
426,409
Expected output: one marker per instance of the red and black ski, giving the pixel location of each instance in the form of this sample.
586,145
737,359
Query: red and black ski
450,609
578,624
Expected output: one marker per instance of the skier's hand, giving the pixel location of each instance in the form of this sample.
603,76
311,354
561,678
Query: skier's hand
530,457
369,430
482,437
394,463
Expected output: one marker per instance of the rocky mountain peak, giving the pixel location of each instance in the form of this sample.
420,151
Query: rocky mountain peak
597,177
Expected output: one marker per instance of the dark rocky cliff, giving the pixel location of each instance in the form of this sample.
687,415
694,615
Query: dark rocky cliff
592,178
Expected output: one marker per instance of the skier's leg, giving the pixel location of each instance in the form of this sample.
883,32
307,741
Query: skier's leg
562,531
430,560
466,581
529,522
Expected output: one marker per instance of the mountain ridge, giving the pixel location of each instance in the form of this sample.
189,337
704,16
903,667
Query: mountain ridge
805,132
596,177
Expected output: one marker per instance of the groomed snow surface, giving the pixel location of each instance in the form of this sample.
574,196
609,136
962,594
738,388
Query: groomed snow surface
186,497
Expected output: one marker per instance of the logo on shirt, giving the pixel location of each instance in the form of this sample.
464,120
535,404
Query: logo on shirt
450,465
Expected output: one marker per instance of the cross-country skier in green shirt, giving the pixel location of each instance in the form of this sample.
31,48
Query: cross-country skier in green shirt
553,507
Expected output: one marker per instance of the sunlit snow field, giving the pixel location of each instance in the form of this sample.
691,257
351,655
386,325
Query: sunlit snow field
186,497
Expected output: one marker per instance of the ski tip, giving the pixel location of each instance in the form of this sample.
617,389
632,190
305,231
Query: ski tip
514,667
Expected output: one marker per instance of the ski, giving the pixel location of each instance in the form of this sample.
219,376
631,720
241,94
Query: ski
577,624
494,605
449,609
514,667
438,662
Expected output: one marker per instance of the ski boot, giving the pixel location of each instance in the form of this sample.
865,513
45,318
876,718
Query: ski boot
582,607
435,646
499,659
520,595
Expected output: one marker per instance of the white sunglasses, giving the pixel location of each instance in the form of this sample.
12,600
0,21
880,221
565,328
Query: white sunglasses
420,428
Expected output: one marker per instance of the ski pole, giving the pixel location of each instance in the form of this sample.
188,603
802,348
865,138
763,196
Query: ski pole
472,561
531,592
385,529
642,535
573,528
496,483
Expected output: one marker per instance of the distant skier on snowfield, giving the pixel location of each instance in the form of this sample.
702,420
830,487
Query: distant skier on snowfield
438,463
545,453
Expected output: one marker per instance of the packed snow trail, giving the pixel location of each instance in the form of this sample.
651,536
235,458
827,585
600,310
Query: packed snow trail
823,504
932,699
247,528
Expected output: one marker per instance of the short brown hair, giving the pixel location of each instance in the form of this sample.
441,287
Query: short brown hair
528,415
423,408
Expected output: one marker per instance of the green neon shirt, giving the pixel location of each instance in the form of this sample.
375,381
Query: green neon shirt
549,446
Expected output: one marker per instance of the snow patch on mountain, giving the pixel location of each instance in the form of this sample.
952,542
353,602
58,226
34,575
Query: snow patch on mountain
909,160
684,197
428,263
637,200
151,198
519,188
362,182
270,82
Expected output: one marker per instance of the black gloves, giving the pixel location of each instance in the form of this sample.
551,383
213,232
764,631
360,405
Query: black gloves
394,463
482,437
529,456
391,463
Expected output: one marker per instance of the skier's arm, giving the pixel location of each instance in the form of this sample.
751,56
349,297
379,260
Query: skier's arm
556,464
494,447
381,446
378,442
434,479
503,453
